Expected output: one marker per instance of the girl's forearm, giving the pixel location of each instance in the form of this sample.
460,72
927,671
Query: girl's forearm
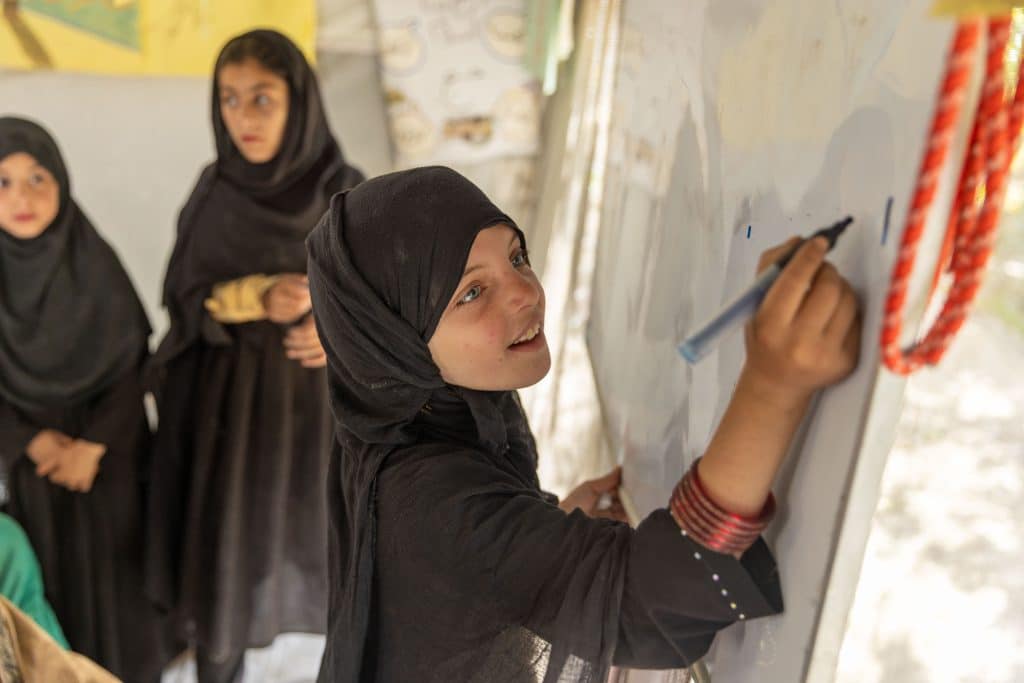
750,443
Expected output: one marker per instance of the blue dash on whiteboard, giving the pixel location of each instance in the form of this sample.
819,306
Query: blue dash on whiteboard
885,225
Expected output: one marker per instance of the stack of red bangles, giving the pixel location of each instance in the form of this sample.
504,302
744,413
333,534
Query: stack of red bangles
711,526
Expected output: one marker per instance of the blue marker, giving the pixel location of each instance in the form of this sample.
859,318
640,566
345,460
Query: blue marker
704,340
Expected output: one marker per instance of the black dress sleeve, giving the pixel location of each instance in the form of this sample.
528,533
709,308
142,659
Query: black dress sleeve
678,594
17,431
116,411
644,598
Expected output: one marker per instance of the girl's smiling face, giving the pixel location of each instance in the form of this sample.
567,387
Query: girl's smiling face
491,335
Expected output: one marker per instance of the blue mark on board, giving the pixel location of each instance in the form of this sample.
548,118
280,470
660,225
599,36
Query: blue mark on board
748,232
885,225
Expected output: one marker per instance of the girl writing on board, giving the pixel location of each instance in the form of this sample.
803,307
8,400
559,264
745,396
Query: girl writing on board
447,561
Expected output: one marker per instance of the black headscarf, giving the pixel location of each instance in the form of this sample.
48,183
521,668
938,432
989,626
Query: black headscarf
384,262
244,218
71,323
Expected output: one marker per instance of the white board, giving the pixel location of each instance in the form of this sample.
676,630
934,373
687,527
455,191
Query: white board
734,126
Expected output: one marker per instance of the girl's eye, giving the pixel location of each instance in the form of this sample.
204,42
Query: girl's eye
262,100
230,101
38,179
5,182
521,258
471,295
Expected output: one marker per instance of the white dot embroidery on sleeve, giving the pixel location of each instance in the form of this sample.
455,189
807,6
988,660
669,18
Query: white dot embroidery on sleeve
716,578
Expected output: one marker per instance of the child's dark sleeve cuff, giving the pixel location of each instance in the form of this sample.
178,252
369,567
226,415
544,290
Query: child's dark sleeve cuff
678,594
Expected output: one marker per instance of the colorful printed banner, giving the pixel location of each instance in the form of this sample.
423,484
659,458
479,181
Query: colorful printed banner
170,37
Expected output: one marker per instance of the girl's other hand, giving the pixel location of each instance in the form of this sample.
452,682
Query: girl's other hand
590,495
287,300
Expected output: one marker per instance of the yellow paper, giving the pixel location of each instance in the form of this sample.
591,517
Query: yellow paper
169,37
974,8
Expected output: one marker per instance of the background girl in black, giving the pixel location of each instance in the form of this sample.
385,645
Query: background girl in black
239,520
73,338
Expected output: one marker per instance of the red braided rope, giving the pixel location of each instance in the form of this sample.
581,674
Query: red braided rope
971,228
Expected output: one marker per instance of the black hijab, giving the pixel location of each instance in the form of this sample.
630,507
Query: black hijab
71,323
244,218
384,263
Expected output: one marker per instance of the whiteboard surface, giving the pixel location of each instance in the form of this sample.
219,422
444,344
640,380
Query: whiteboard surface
735,125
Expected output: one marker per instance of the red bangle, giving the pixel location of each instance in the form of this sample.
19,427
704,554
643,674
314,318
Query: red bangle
708,524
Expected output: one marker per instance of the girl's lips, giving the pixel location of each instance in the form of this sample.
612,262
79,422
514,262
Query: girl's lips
534,344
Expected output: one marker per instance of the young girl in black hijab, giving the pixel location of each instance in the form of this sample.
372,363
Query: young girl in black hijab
448,563
73,431
238,516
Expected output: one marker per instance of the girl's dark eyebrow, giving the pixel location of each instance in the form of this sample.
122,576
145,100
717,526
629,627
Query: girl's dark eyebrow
515,238
262,85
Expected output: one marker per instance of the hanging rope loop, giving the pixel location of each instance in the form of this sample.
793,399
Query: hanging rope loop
972,225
